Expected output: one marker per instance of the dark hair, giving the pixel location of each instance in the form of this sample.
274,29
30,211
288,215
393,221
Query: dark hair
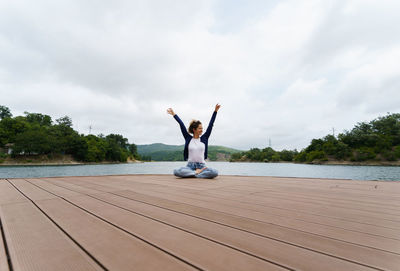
193,125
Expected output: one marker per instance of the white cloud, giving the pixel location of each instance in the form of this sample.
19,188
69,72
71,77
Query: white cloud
288,71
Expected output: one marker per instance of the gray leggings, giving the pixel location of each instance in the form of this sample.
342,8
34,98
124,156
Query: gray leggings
190,171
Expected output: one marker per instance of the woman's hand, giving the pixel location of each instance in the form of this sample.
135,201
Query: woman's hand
198,171
170,111
217,107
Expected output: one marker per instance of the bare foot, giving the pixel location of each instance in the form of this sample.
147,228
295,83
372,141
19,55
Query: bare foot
198,171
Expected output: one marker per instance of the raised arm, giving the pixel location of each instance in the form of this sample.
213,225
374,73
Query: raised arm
210,125
181,125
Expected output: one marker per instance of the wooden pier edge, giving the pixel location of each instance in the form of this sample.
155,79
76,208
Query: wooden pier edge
148,222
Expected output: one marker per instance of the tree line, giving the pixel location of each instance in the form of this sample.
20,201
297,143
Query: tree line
38,134
175,153
377,140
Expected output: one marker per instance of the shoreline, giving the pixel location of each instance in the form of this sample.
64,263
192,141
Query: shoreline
333,163
349,163
75,163
58,162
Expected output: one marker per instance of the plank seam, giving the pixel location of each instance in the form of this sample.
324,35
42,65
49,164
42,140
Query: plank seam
8,255
176,227
195,234
349,201
315,214
286,227
190,196
295,229
60,228
122,229
310,201
257,234
296,200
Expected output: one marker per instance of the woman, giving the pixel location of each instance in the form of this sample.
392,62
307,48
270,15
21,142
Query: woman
196,148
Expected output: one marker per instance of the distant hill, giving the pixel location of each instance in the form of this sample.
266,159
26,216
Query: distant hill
163,152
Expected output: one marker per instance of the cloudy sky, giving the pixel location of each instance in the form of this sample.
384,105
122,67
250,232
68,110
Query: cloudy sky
288,70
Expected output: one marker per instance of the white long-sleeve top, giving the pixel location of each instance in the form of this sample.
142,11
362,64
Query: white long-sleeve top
196,150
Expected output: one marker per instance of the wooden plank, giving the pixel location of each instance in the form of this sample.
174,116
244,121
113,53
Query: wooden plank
189,198
338,221
36,244
8,194
35,193
327,199
304,210
363,215
295,197
190,185
342,249
367,256
317,186
313,217
293,257
360,216
237,209
311,227
201,252
365,221
113,248
284,254
3,255
333,191
312,187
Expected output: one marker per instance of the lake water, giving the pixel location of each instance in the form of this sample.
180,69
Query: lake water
225,168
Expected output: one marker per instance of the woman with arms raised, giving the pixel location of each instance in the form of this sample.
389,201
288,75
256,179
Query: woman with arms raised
196,148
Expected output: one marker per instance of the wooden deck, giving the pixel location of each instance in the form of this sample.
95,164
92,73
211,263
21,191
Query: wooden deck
158,222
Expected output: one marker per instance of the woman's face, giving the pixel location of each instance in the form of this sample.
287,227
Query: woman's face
198,130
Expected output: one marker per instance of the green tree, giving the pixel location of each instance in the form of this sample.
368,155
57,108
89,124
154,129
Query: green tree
388,126
255,154
267,154
363,154
146,157
133,151
11,127
5,112
117,148
42,120
118,139
316,145
389,155
342,151
33,141
383,143
64,121
96,149
361,135
77,147
237,156
276,157
330,144
63,137
396,151
286,155
316,155
301,157
35,133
